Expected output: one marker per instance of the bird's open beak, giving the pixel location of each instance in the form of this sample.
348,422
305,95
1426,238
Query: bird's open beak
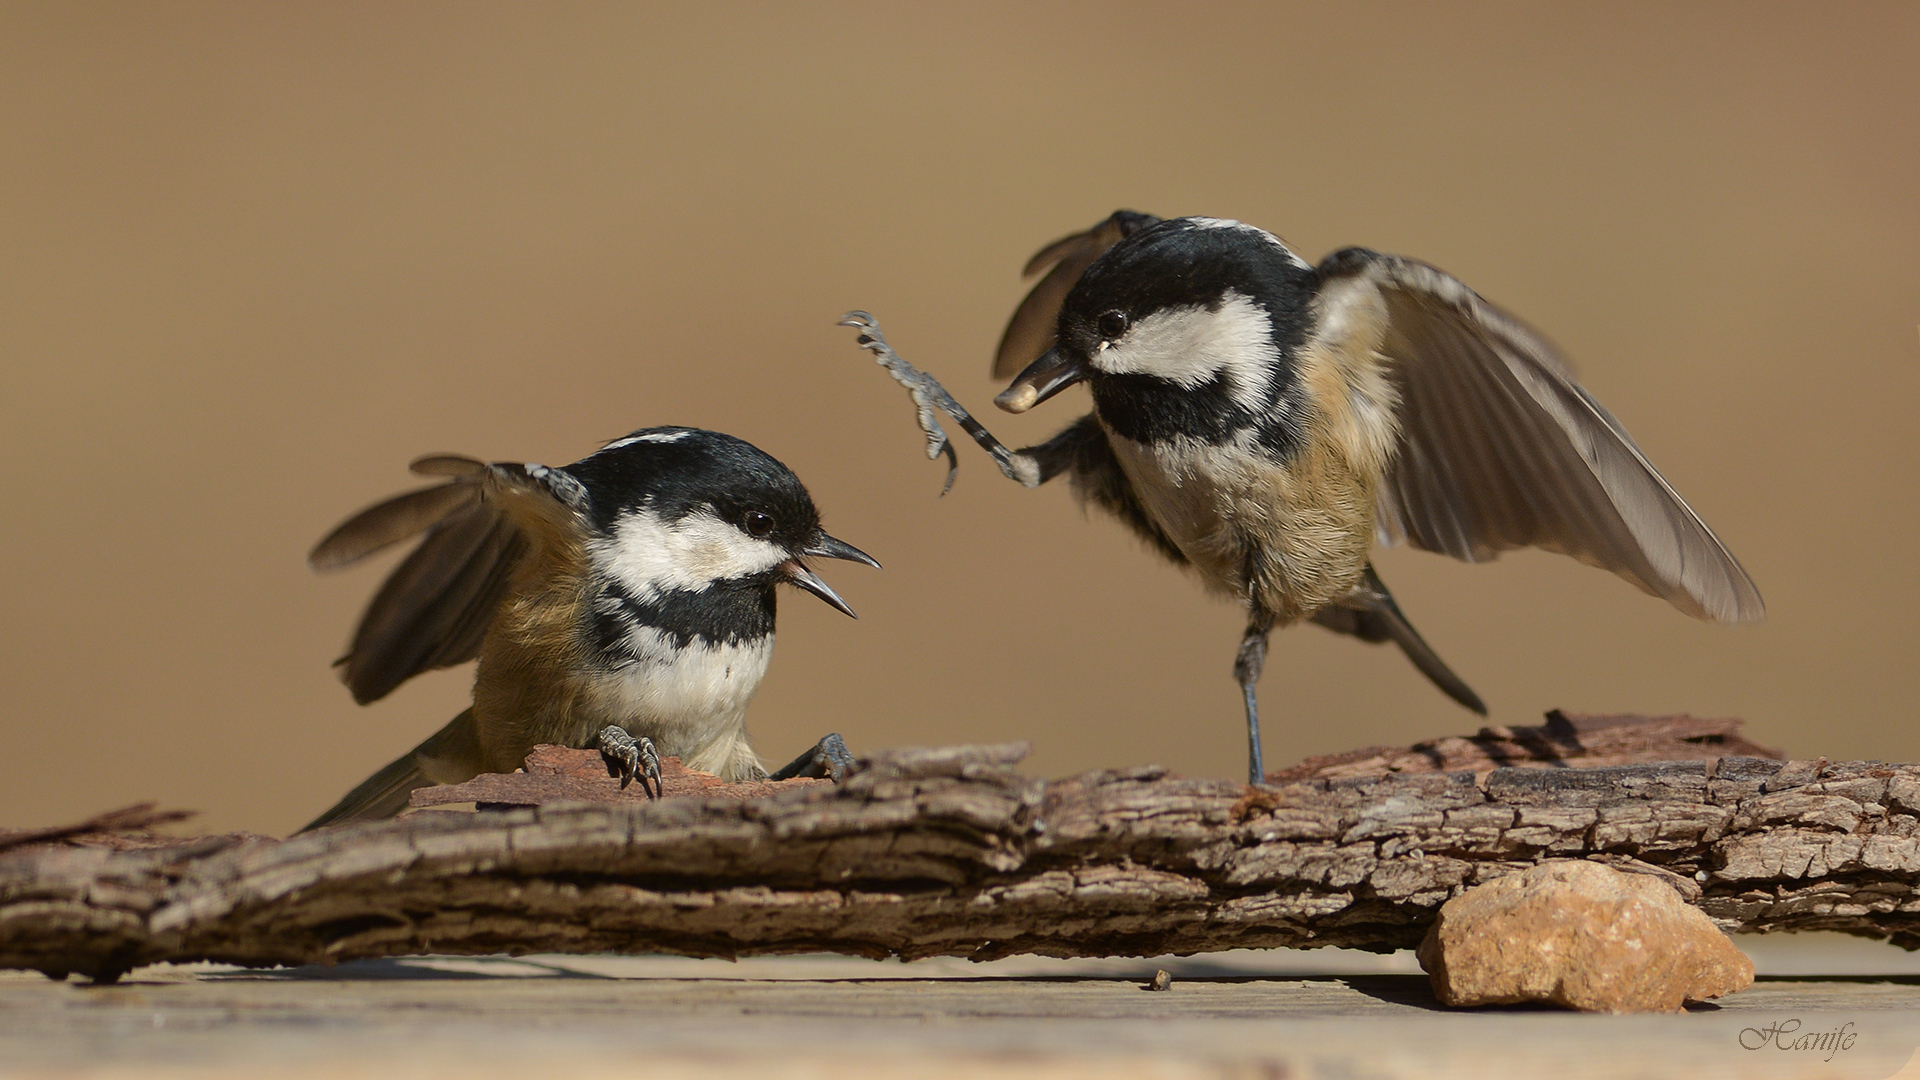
826,547
1041,380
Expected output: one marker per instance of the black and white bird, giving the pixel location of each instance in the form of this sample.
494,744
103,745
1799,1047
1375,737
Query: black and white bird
625,601
1265,422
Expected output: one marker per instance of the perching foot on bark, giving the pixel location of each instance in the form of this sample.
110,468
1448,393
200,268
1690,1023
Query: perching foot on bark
827,758
628,758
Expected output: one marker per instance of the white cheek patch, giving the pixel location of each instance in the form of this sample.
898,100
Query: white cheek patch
1189,346
649,555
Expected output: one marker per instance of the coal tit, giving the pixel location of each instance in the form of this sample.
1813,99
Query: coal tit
1264,422
625,601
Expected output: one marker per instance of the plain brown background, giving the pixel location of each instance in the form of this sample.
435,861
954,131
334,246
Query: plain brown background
257,257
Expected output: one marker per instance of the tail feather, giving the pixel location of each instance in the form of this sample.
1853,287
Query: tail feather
448,756
1375,617
381,795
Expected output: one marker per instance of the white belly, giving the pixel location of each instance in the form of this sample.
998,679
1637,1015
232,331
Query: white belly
691,702
1286,538
1190,493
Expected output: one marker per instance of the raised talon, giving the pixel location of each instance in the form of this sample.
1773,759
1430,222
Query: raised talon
627,758
953,467
930,399
927,394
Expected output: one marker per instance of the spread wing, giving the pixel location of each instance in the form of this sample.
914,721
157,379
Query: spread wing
1030,332
433,611
1499,447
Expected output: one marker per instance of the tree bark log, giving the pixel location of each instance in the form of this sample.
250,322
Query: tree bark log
951,852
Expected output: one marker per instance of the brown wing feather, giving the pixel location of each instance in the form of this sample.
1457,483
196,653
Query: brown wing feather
455,465
1030,332
390,522
434,610
1499,447
420,609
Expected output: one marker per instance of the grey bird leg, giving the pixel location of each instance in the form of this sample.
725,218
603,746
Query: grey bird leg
627,758
929,396
1247,664
828,758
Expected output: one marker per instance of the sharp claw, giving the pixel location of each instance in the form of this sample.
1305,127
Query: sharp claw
829,758
622,754
653,773
931,399
833,757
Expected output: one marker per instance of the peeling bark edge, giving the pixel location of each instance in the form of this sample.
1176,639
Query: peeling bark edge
950,852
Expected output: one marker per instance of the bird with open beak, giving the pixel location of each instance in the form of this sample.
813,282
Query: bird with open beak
624,602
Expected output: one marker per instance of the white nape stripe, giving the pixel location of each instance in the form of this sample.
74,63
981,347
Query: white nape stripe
1220,223
1228,223
651,436
649,555
1189,345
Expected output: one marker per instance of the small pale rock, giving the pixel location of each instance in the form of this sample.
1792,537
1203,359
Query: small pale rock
1580,935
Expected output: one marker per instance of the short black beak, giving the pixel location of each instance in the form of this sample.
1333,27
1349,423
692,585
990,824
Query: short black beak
826,547
1041,380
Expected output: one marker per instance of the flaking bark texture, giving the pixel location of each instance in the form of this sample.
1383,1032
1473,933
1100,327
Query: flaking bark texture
556,774
951,852
1580,740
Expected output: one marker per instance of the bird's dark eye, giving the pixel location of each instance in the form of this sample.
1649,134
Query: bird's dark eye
1113,324
759,525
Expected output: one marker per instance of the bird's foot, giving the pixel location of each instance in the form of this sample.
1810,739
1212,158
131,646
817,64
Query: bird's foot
828,758
628,758
930,399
